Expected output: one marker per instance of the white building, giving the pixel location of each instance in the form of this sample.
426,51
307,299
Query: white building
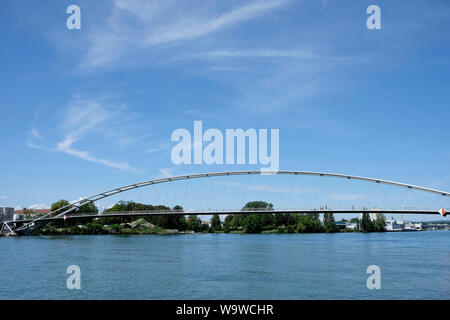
17,216
410,226
6,214
351,225
400,225
394,225
372,216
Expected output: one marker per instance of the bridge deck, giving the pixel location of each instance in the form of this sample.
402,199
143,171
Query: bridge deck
158,213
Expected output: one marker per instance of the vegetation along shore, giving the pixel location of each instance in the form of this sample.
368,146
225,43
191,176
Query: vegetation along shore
180,222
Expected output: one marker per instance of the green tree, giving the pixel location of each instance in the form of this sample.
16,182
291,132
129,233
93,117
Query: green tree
194,223
216,225
178,208
257,205
227,226
278,219
182,223
380,223
366,223
116,228
59,204
205,227
88,208
267,221
329,223
167,221
131,206
128,206
301,228
253,223
239,219
180,219
75,230
309,223
358,223
289,219
94,228
290,228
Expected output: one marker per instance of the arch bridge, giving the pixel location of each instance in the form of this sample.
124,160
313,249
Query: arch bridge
437,206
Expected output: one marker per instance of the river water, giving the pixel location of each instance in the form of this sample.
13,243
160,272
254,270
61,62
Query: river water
414,265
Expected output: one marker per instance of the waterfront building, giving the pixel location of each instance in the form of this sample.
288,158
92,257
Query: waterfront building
341,225
410,226
34,211
394,225
352,225
6,214
400,225
17,216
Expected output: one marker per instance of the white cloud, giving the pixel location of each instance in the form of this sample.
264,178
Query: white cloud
3,197
36,134
84,115
183,31
284,74
66,147
225,69
165,173
155,24
88,117
38,206
160,147
258,53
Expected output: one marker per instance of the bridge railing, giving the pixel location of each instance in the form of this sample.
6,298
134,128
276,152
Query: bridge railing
355,210
277,210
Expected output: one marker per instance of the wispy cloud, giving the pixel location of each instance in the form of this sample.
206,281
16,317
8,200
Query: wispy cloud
158,24
165,173
225,69
3,197
158,148
36,134
265,76
85,117
257,53
66,147
183,31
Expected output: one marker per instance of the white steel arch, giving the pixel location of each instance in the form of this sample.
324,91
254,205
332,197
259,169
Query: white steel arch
78,203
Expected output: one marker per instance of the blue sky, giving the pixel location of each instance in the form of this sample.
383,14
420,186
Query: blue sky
86,110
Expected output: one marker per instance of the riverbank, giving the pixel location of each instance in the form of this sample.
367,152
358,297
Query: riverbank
142,226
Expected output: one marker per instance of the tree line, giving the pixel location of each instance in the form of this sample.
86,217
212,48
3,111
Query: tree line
244,222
